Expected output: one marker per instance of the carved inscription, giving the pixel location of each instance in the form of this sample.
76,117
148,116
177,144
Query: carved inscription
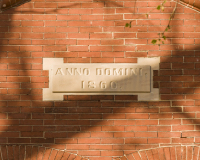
94,78
102,85
118,72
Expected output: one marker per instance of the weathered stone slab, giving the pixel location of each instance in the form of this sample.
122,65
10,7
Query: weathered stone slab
101,78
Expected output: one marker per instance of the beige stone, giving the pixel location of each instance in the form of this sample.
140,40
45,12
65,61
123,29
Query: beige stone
101,78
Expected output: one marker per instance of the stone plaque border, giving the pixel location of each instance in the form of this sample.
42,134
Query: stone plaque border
48,95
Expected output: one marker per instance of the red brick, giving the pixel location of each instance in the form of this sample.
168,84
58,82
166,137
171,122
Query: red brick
77,48
18,79
171,97
169,59
78,35
112,42
125,60
161,78
183,53
30,60
19,66
100,48
79,23
31,134
91,29
160,116
88,42
181,78
123,48
172,84
30,48
92,17
54,35
100,35
134,104
137,116
159,128
44,17
191,72
171,109
158,140
9,73
9,35
9,85
146,122
102,60
45,5
54,48
111,153
3,79
77,60
80,11
42,140
89,54
32,23
191,35
66,54
166,122
182,65
43,29
113,29
112,54
147,110
103,23
19,42
135,54
10,48
58,23
159,53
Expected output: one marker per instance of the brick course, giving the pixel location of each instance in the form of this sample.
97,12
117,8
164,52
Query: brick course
170,153
19,152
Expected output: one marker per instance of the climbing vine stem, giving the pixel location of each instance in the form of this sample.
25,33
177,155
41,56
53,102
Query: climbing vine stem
162,36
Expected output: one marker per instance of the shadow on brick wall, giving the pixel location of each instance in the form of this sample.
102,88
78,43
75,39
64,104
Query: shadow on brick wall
89,125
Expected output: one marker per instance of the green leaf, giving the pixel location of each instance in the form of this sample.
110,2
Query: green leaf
167,28
163,42
164,37
127,25
153,41
162,8
147,15
158,7
164,1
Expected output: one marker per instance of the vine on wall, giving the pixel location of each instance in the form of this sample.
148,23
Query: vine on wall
162,36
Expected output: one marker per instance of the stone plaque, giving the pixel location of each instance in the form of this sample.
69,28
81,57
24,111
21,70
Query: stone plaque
104,78
101,78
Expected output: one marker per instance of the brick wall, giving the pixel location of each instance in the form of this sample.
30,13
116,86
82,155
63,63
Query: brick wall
89,31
